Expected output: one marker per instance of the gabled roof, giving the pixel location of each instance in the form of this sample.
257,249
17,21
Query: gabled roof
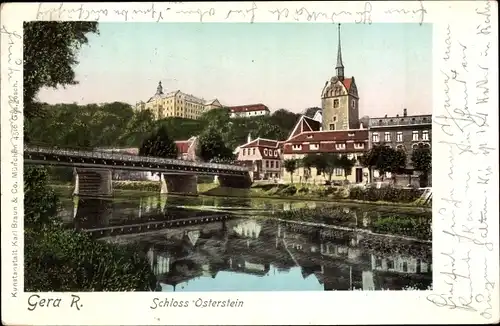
305,124
261,142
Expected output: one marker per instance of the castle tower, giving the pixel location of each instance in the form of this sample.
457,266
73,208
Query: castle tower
339,98
159,89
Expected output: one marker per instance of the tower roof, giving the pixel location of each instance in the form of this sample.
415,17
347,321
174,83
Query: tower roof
339,53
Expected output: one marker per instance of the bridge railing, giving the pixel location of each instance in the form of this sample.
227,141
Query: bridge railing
120,156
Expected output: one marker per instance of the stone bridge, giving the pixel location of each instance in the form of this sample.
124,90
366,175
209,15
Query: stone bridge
93,170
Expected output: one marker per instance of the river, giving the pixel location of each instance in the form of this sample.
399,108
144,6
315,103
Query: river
242,248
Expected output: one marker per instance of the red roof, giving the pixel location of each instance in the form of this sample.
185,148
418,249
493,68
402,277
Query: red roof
347,83
248,108
183,145
260,142
327,141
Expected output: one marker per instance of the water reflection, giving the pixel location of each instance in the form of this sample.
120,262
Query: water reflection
247,254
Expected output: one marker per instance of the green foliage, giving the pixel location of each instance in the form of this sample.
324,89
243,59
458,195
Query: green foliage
62,260
159,144
212,147
290,166
421,159
346,164
40,201
137,185
384,159
310,112
413,227
50,53
389,194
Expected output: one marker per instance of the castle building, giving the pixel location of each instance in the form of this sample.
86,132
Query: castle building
339,99
247,111
177,104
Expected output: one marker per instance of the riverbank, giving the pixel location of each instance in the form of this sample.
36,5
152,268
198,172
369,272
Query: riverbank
391,197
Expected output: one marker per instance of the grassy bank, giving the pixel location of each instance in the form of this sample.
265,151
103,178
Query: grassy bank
405,225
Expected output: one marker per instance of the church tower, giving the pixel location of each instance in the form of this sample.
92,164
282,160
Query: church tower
339,98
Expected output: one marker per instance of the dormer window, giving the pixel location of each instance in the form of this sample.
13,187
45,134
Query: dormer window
265,151
350,134
275,153
309,136
340,146
314,147
244,151
296,147
253,151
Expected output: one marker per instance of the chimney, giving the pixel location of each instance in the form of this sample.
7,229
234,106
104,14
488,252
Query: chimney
405,112
385,116
361,125
249,138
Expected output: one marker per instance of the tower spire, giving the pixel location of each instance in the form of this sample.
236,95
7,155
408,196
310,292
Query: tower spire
159,89
340,66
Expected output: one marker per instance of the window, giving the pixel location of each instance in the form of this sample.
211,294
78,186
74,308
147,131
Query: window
275,153
415,146
353,103
309,136
265,151
350,156
375,138
267,164
314,147
334,118
415,136
390,264
296,147
399,136
339,172
387,136
359,145
244,151
335,104
427,145
378,263
272,164
253,151
277,164
340,146
331,126
425,135
350,134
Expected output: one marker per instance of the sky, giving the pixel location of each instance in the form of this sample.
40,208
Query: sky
282,65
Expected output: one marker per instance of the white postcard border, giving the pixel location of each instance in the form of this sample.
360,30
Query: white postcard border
460,163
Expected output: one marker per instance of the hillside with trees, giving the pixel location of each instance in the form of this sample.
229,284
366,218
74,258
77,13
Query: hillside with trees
118,124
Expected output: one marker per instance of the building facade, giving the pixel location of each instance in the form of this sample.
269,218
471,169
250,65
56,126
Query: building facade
353,143
340,99
186,149
177,104
246,111
402,132
263,157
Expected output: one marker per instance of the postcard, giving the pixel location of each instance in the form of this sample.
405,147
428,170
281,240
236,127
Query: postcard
241,163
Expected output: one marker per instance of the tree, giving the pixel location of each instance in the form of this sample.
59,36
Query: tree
421,159
346,164
328,163
308,162
310,112
50,49
390,160
159,144
290,167
212,146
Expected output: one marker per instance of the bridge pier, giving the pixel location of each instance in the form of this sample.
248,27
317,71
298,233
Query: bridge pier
93,182
179,184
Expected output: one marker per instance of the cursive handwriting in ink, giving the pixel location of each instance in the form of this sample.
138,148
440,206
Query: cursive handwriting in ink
484,28
448,43
245,12
482,85
464,56
365,16
62,12
280,12
421,11
210,12
14,65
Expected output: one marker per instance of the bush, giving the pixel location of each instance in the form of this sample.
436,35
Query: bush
288,191
137,185
389,194
303,190
63,260
40,201
418,227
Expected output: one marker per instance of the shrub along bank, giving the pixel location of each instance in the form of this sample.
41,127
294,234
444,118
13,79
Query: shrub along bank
57,259
416,225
